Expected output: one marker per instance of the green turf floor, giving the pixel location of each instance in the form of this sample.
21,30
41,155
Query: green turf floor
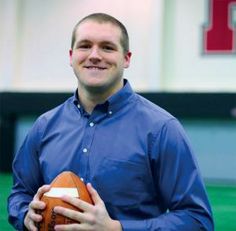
222,198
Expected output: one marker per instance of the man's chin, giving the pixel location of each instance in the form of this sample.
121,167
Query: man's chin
97,88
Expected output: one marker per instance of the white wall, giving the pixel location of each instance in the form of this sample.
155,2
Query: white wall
166,41
36,39
185,67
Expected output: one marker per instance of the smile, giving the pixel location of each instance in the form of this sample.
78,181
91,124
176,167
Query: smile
95,68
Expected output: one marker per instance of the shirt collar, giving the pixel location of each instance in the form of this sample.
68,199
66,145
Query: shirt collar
113,103
120,98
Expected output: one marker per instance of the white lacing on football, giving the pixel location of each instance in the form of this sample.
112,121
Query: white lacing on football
59,192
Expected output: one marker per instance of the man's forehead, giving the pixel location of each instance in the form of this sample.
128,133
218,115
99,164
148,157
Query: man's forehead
103,29
98,22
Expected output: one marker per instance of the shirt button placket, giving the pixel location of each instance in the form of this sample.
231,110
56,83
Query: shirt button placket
85,150
91,124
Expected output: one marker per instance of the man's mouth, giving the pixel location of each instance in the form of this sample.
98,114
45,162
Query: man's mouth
95,68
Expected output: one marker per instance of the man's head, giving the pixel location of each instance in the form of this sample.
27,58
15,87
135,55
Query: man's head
98,56
105,18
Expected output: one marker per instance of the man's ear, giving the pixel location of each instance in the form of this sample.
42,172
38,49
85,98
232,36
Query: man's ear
127,59
70,55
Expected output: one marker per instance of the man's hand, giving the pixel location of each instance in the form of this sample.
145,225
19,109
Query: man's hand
93,218
32,217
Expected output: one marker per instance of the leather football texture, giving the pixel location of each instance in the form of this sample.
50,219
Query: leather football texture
66,183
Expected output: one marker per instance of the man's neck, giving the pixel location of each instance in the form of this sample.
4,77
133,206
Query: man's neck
89,102
89,99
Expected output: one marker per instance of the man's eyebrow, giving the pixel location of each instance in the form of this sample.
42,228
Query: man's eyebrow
109,43
83,41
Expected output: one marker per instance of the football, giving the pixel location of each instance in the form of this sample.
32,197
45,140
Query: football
66,183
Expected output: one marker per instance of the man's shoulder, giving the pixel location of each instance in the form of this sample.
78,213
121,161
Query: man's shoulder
152,110
156,118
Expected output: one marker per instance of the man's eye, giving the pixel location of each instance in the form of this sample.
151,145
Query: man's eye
84,46
108,48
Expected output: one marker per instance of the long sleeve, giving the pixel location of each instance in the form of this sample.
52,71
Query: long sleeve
179,184
26,179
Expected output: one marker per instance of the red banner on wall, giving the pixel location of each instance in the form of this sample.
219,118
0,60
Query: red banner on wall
219,34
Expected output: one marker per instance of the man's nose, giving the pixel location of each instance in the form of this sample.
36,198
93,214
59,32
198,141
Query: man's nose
94,55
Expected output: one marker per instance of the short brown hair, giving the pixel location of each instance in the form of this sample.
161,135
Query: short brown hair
105,18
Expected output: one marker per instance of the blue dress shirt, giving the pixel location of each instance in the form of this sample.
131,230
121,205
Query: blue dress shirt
133,152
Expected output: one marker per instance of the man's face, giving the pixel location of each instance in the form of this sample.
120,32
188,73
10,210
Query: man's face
97,57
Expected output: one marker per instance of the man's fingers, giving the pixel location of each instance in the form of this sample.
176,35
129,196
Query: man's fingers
35,217
41,191
35,205
29,221
72,214
84,206
32,226
32,217
94,194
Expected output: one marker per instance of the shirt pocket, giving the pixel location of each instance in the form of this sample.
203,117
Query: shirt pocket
120,183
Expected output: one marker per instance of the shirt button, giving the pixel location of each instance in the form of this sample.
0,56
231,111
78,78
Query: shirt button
85,150
78,106
110,112
91,124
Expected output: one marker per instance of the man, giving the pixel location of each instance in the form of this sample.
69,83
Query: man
134,153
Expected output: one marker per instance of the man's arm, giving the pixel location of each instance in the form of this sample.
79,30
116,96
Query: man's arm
26,179
179,184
